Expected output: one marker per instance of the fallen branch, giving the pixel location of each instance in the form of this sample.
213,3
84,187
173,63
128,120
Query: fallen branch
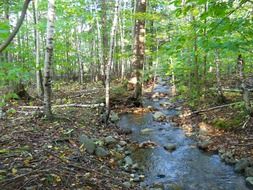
232,90
209,109
66,105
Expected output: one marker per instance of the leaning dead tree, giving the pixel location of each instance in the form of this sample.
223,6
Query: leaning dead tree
5,44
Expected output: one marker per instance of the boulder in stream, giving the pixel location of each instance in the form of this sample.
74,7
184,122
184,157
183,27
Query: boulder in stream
242,164
146,131
170,147
249,181
159,116
203,145
249,171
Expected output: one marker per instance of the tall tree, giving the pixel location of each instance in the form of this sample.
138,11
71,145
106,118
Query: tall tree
139,45
39,82
49,58
110,59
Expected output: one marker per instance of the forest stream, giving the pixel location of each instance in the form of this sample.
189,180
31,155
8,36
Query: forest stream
186,167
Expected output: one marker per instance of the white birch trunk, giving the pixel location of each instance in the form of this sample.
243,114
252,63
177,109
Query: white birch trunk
49,59
110,58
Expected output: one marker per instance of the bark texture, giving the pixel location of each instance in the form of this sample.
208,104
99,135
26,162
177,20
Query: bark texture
49,59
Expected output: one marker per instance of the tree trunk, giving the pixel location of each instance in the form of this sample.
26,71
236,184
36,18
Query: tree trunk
139,47
221,97
39,82
16,29
245,90
110,58
49,59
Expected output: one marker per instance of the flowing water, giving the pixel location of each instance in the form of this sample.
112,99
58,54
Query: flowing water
186,168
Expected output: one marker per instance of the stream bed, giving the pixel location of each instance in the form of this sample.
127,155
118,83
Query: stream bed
185,168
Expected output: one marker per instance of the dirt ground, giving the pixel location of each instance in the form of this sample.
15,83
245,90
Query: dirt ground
39,154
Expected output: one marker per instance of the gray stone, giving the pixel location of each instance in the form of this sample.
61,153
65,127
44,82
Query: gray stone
110,140
158,186
170,147
146,131
136,179
249,181
114,117
128,160
2,113
159,116
241,165
122,143
101,152
88,143
249,171
203,145
135,166
126,184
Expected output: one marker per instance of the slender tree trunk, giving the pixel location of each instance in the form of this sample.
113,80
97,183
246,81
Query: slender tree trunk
39,82
49,59
104,34
139,48
245,91
205,53
221,97
110,59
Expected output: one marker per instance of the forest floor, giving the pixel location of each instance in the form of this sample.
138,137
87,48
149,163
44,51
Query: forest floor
226,131
37,153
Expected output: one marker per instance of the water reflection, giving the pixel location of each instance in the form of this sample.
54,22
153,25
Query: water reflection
187,167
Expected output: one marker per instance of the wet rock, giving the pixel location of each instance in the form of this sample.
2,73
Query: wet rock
159,116
249,181
170,147
166,104
135,166
146,131
161,175
204,144
241,165
155,95
126,184
158,186
88,143
136,179
128,160
227,156
249,172
101,152
175,187
110,140
114,117
124,131
122,143
150,107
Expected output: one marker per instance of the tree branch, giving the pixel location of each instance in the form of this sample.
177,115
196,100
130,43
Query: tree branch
5,44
